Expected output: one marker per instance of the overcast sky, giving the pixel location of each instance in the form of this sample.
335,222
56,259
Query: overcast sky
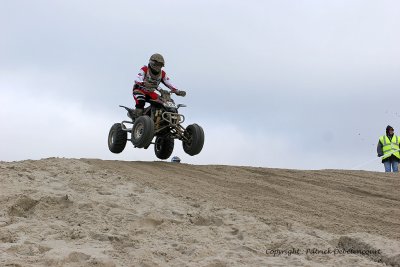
287,84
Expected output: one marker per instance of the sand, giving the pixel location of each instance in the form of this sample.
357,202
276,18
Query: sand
89,212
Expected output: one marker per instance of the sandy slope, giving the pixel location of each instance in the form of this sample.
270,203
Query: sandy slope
69,212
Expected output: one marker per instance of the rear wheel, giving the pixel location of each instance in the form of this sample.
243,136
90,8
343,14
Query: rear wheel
142,132
195,139
117,138
163,147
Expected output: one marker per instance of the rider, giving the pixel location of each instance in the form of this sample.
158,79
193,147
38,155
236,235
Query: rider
147,81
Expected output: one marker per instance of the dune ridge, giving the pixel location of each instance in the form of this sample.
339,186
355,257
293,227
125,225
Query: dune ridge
90,212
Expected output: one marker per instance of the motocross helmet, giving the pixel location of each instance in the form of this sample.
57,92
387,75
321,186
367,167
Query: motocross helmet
156,62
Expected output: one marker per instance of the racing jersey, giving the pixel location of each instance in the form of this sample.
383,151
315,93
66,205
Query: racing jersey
147,81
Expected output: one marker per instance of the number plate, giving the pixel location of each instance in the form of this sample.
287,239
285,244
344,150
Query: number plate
170,104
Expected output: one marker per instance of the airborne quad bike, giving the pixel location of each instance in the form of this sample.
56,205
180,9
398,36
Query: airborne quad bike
162,121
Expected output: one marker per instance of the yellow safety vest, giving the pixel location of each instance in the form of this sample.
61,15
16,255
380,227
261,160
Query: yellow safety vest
390,147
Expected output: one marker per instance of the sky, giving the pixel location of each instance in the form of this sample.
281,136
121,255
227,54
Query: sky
299,84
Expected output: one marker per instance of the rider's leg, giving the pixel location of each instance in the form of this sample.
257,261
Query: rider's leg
140,100
152,95
141,97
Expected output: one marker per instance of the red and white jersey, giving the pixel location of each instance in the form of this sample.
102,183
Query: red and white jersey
145,79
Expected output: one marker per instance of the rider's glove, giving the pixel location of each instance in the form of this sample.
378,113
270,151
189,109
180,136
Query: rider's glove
180,92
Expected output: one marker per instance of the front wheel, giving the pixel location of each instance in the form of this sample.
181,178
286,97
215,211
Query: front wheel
195,139
142,132
163,147
117,138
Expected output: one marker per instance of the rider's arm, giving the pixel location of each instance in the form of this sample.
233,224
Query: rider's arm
139,81
166,81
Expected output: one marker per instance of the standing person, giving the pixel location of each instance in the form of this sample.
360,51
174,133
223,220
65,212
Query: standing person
388,148
147,81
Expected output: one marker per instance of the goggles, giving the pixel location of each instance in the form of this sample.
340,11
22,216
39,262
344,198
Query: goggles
156,64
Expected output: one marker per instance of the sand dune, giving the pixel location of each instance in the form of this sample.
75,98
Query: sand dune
88,212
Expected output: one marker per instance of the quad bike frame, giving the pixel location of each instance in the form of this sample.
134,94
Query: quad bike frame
161,120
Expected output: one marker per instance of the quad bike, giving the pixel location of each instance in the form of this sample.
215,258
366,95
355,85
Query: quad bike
162,121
